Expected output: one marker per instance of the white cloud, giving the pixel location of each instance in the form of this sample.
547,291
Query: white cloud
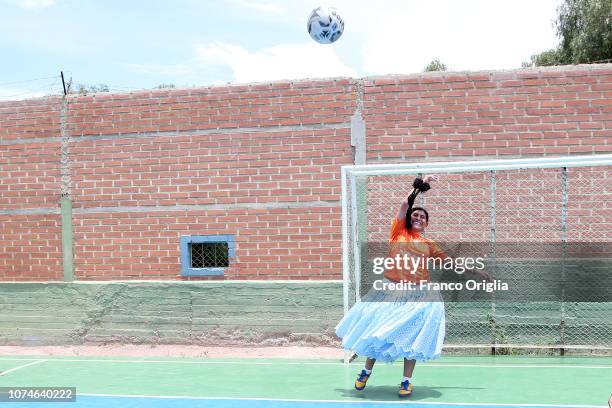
162,69
287,61
16,94
31,4
262,7
401,37
466,35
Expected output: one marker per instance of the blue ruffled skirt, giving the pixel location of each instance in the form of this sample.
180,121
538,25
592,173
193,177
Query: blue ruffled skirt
390,325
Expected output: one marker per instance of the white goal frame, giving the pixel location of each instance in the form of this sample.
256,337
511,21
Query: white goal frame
350,173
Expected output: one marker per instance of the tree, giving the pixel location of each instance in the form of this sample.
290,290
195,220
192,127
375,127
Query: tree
544,59
584,28
435,65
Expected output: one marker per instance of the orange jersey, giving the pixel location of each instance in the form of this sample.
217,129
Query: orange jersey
407,242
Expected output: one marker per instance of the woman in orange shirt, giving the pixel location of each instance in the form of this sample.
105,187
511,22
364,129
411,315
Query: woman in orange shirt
390,324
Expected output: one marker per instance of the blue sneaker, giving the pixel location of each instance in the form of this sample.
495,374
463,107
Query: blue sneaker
405,389
361,380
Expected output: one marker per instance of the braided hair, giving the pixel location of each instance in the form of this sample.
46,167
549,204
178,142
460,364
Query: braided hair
419,186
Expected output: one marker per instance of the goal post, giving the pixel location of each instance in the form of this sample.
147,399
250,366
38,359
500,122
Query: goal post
535,218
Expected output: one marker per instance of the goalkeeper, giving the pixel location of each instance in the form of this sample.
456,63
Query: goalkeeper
411,325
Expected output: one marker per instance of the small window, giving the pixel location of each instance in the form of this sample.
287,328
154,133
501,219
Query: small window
206,255
209,255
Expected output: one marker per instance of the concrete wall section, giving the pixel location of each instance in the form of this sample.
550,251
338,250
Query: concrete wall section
267,313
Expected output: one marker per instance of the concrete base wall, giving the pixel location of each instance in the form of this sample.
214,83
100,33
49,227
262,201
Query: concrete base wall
264,313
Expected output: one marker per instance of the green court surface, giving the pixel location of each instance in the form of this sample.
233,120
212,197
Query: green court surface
476,381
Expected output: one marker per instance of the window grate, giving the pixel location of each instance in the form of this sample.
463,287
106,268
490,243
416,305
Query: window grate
209,254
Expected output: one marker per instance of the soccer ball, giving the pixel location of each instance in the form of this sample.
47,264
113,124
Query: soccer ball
325,25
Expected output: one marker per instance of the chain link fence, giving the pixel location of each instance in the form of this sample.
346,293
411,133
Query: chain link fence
544,227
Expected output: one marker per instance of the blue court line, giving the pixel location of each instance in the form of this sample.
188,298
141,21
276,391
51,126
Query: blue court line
90,401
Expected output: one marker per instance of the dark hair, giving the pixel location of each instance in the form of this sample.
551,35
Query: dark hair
419,187
409,213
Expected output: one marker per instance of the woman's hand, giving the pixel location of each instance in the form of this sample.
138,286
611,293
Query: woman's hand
429,178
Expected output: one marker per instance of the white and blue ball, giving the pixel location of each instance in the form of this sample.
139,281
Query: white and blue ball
325,25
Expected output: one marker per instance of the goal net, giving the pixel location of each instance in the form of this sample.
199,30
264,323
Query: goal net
543,227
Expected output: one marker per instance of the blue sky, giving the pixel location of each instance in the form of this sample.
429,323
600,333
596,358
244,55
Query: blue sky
133,44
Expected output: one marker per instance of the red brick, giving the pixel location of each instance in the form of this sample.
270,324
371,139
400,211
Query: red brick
435,116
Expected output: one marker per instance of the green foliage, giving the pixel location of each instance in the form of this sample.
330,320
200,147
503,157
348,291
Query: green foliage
435,65
544,59
585,30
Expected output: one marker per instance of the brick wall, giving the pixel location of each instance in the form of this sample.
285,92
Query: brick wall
259,161
30,226
555,111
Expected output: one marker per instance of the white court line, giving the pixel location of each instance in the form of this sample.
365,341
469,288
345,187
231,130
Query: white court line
466,365
21,366
342,401
86,360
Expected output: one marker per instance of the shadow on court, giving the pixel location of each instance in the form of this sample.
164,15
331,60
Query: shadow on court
389,393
